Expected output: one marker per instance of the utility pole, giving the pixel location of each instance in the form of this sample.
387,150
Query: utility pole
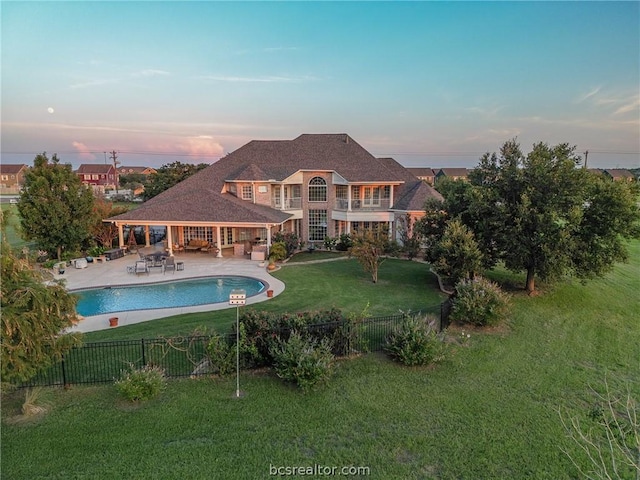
586,154
114,157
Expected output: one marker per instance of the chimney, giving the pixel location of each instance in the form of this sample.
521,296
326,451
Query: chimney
346,139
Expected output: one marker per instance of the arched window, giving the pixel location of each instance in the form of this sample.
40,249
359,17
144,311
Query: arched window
317,189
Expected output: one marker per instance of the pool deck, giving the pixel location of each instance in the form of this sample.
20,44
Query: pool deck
114,273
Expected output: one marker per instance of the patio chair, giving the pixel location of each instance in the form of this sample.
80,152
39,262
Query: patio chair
169,264
141,267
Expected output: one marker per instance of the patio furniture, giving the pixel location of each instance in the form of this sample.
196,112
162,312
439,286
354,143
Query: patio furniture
177,248
169,264
114,253
141,267
100,259
80,263
195,245
131,268
179,266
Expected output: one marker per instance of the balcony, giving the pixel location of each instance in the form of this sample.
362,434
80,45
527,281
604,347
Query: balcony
362,205
289,204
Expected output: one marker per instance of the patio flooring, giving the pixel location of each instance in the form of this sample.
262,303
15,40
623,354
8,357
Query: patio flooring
114,273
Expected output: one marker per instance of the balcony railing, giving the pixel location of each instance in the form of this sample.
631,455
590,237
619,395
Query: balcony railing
362,205
289,204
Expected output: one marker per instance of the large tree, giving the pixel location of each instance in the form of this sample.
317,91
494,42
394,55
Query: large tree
105,232
167,176
34,315
56,209
543,215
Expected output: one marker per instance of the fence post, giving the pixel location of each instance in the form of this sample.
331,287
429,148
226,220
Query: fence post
144,358
64,373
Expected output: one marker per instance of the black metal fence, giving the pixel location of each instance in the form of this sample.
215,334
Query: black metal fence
103,362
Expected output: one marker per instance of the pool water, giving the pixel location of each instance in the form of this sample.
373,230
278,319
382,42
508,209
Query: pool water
184,293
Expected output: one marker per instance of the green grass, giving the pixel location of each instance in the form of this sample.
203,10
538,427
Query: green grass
13,227
490,411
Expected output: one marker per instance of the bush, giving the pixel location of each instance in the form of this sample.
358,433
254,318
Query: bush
303,361
290,239
278,251
142,383
345,242
415,342
479,302
222,356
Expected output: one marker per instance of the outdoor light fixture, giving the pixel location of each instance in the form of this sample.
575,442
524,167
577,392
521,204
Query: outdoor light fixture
237,297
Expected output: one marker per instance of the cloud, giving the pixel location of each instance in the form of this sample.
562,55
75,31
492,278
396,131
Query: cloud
630,105
150,72
589,94
259,79
83,151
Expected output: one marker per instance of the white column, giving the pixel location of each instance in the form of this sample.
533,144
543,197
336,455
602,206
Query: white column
219,241
120,236
169,240
146,236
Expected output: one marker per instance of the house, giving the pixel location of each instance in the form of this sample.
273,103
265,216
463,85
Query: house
619,175
424,174
12,177
101,176
452,173
130,170
315,186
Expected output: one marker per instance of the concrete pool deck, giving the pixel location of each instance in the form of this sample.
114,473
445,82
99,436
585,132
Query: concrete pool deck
114,273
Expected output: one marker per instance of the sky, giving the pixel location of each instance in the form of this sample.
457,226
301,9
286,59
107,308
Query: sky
431,84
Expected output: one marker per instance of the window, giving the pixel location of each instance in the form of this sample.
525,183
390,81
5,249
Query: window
247,192
317,225
198,233
318,190
276,196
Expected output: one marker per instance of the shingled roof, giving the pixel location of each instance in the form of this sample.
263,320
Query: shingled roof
201,197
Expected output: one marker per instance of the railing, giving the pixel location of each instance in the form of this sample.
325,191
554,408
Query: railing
362,205
289,204
103,362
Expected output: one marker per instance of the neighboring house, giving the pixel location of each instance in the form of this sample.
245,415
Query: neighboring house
12,177
126,170
619,175
315,185
101,176
425,174
453,173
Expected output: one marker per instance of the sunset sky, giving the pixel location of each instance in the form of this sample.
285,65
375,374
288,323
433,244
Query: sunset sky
429,83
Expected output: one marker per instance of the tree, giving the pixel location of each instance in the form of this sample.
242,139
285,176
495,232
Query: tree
167,176
410,236
543,215
368,248
105,232
34,314
457,255
55,207
431,226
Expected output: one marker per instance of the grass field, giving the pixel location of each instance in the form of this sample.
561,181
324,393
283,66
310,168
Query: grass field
490,411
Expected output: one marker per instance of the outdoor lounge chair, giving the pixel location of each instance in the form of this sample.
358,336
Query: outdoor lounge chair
141,267
169,264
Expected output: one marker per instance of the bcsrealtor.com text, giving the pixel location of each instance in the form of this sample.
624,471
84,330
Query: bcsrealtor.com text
317,470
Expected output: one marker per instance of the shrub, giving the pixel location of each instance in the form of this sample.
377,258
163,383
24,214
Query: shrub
330,243
303,361
221,355
290,239
345,242
278,251
415,342
142,383
479,302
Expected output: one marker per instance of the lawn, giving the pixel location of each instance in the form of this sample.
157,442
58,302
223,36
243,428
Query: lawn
489,411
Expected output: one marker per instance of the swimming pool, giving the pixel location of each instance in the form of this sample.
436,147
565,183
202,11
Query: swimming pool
183,293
